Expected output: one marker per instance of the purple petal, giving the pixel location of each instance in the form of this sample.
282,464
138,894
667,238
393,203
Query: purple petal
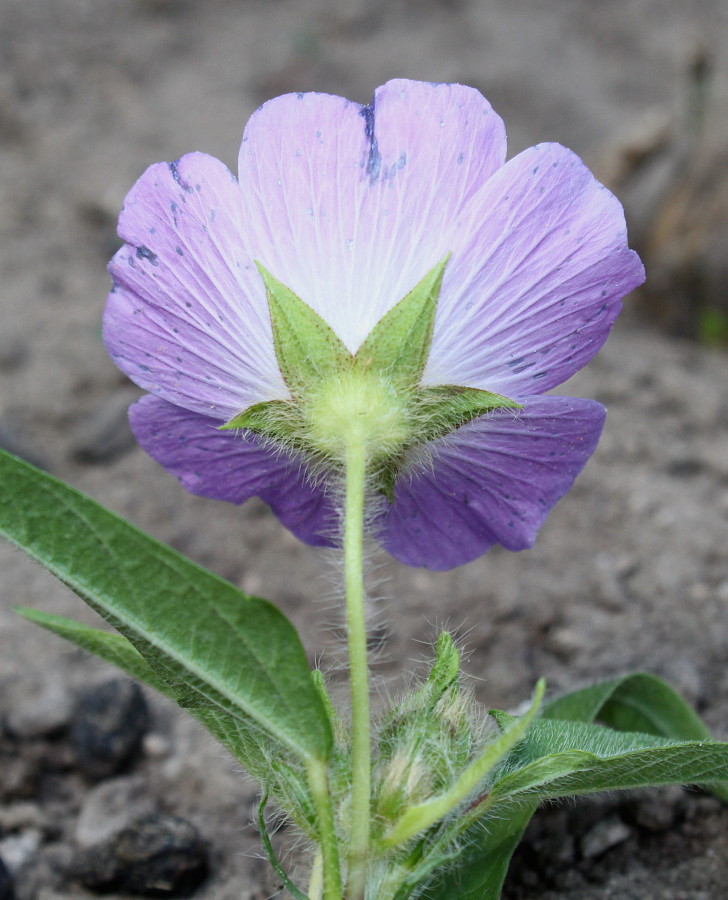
492,481
351,206
187,318
531,297
223,465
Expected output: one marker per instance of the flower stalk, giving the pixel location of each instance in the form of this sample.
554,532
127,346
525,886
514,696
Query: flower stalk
356,466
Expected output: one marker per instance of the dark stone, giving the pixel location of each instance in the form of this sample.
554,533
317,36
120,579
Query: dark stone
107,727
155,856
685,467
7,892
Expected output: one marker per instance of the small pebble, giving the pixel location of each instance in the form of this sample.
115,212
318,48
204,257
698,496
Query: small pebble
43,715
603,836
108,726
19,776
17,850
45,877
156,746
154,856
112,806
24,814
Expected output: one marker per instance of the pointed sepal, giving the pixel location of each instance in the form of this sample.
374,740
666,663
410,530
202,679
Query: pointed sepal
307,349
445,670
447,407
262,418
399,344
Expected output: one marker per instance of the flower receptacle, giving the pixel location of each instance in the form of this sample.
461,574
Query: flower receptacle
358,407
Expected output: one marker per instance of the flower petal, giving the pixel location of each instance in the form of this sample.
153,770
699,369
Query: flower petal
350,206
187,318
533,294
492,481
223,465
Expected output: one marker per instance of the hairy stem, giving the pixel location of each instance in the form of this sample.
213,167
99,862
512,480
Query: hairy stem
318,782
316,882
356,461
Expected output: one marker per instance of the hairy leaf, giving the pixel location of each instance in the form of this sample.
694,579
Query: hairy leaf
638,702
216,647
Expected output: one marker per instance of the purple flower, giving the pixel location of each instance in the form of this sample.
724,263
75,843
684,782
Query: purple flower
350,207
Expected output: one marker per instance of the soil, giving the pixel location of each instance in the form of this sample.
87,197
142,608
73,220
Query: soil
630,572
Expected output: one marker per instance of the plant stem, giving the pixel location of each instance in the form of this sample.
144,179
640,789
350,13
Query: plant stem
358,669
316,883
318,781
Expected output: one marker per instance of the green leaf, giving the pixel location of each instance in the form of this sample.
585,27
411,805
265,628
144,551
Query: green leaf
245,741
636,702
480,869
307,349
399,343
549,736
112,648
572,756
220,649
561,758
576,772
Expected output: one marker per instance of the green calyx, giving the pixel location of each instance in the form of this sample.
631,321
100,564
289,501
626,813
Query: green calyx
373,396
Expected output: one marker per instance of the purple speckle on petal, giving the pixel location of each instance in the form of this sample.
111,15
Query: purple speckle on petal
374,157
143,252
174,169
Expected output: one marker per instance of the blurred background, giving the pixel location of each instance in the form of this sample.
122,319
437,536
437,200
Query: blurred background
629,572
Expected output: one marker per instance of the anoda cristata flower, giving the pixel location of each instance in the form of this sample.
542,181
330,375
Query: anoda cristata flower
342,210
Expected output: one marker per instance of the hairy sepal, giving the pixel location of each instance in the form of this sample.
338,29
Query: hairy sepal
373,396
399,344
307,348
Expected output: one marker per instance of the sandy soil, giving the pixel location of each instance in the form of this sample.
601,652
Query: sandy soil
629,573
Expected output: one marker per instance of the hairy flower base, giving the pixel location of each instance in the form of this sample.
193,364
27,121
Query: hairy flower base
359,407
369,402
350,406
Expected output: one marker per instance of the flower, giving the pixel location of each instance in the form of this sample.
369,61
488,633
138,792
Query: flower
350,207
